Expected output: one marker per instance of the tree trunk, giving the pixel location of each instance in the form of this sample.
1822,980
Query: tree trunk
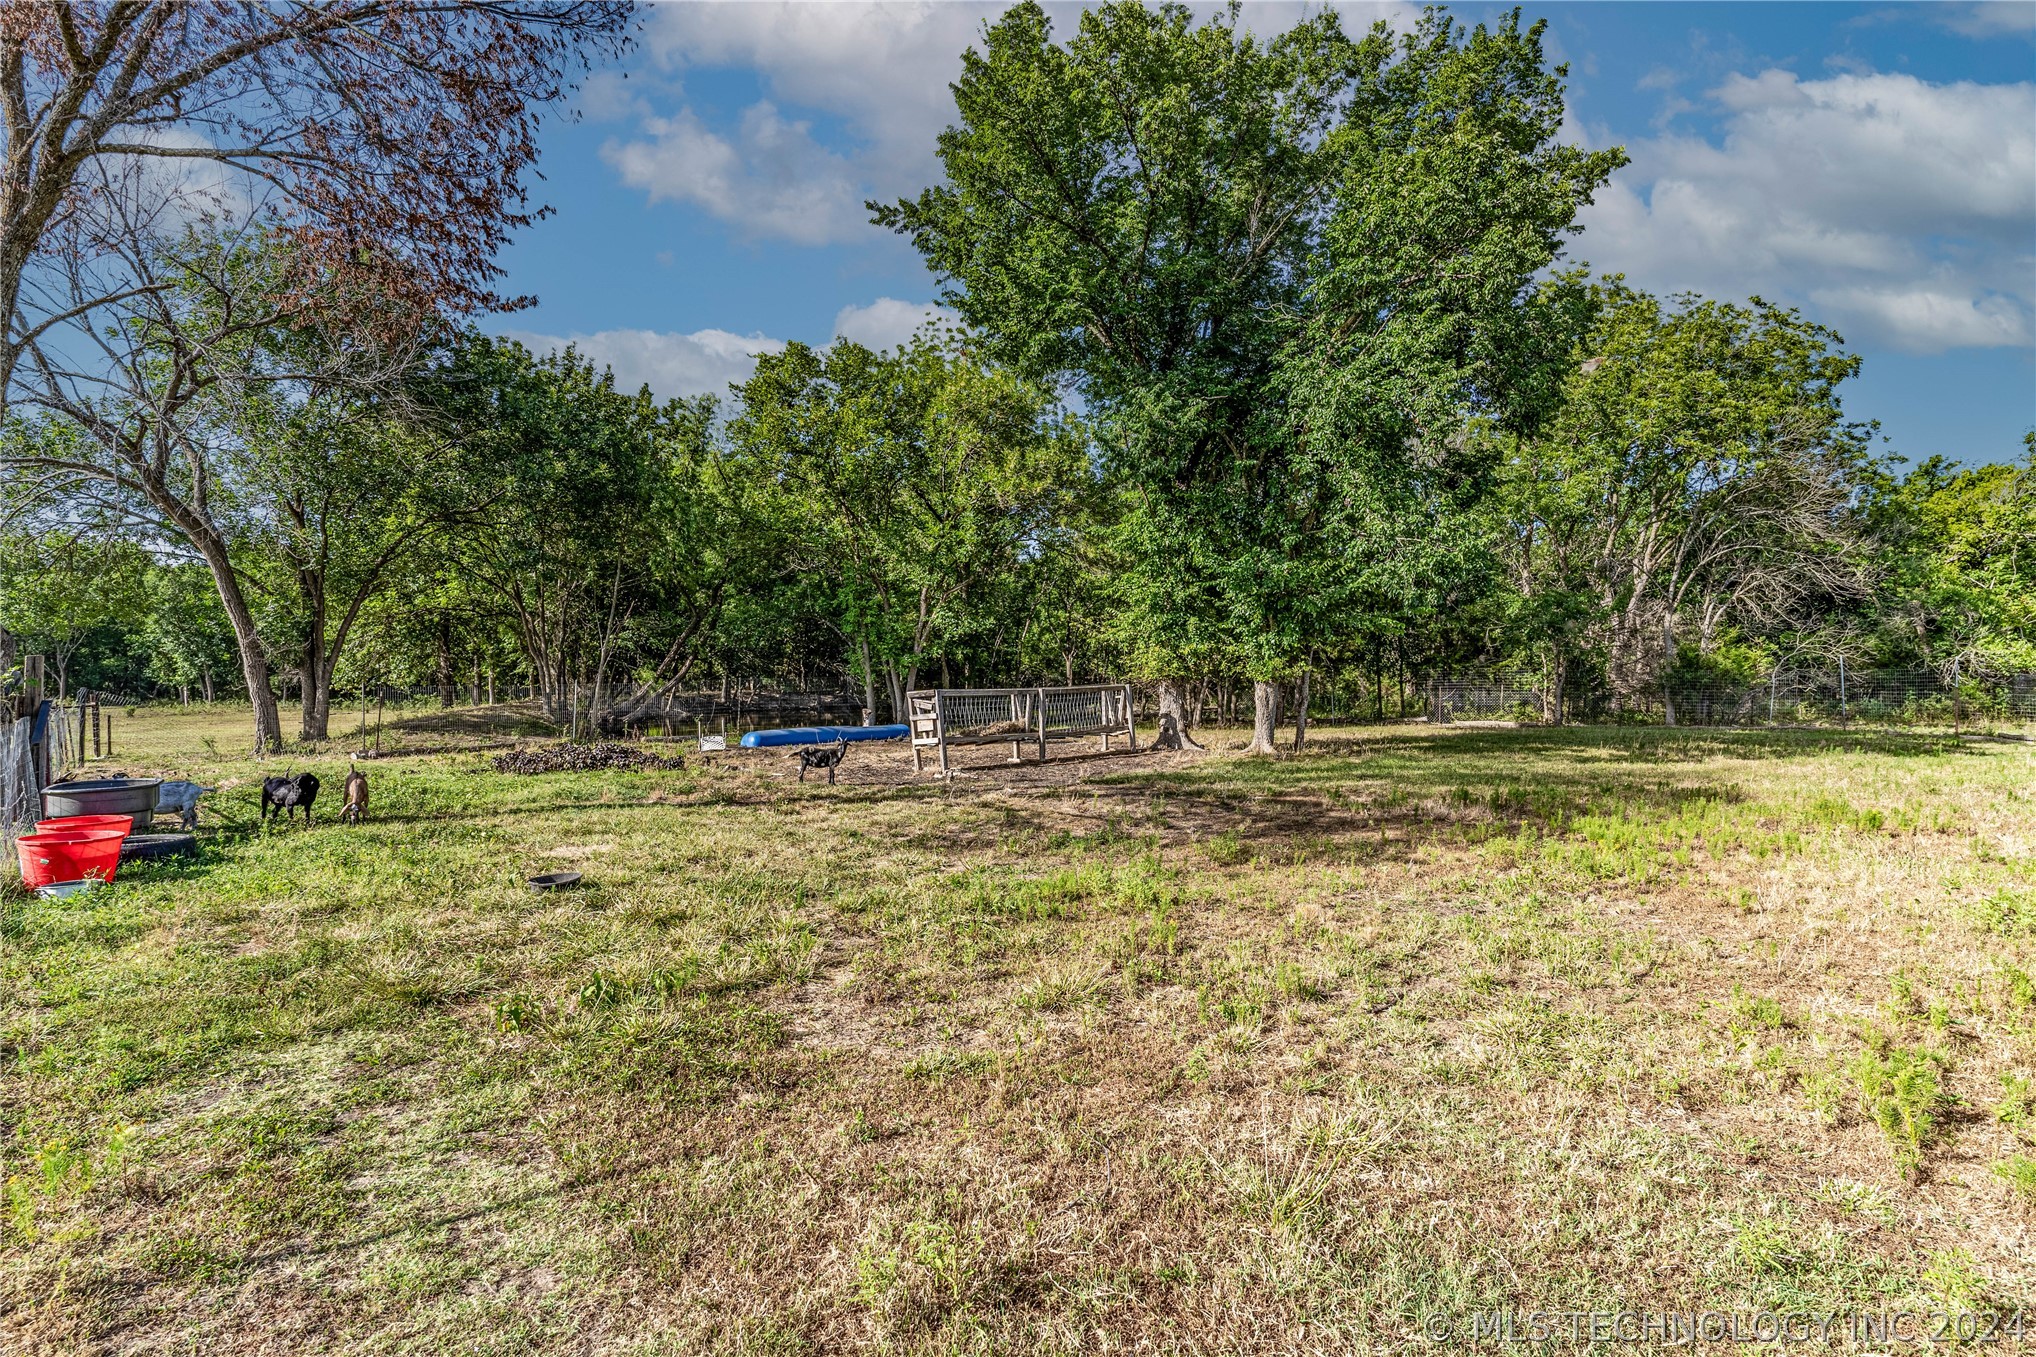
254,664
897,692
1173,716
869,683
1265,715
208,684
1301,714
314,689
444,675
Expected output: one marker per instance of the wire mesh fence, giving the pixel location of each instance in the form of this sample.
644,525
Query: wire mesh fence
1005,712
1838,695
22,774
1084,710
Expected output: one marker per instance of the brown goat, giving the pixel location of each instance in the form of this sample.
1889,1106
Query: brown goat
355,808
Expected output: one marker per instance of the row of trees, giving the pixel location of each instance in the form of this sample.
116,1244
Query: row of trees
1269,371
866,522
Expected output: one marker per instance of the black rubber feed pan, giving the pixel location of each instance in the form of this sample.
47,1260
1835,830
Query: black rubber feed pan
555,881
156,847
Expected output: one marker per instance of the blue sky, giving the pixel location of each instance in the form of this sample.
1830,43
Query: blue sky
1872,164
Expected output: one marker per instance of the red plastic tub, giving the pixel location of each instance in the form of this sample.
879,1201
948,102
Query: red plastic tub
79,824
91,853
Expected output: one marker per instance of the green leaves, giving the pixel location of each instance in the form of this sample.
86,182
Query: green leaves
1286,274
910,481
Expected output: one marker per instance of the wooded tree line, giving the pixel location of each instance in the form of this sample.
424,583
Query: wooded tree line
1270,370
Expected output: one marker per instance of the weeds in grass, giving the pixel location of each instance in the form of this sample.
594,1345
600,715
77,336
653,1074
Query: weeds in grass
2017,1107
1858,1199
1954,1281
1227,849
1900,1092
518,1013
1825,1092
941,1066
2018,1171
1753,1014
1201,1054
1061,986
2008,912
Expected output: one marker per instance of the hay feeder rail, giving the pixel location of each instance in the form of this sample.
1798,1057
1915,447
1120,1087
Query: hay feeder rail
944,717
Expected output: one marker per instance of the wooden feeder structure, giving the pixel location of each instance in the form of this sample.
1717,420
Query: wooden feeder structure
944,717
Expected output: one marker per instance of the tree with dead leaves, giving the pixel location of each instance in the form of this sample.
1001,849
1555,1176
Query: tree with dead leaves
380,137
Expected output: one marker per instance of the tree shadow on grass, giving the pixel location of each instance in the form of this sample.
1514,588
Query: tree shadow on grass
1600,760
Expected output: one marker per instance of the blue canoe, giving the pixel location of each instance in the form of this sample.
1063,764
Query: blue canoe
759,739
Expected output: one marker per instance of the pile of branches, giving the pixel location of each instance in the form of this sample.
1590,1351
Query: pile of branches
567,757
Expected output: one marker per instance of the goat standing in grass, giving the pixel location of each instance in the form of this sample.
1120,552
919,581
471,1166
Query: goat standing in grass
827,756
180,799
281,795
354,806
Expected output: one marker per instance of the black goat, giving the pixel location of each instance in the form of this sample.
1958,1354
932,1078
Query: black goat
281,795
827,756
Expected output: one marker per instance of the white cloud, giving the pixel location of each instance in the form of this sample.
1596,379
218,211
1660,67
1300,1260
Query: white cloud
887,322
605,96
772,178
703,362
1903,212
880,71
1986,19
707,361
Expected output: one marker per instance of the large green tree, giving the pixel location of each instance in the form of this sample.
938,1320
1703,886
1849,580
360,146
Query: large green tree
184,630
1960,565
1699,474
617,531
913,480
1284,274
58,585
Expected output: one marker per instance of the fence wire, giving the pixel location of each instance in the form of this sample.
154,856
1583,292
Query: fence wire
1782,697
19,802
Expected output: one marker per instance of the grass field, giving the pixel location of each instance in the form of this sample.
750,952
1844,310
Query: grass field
1165,1053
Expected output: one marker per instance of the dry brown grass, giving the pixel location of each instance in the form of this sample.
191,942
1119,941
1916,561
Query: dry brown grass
1151,1053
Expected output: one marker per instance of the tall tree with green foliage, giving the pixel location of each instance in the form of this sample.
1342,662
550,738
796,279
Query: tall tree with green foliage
1700,473
1237,248
58,585
911,478
1959,548
185,631
617,531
